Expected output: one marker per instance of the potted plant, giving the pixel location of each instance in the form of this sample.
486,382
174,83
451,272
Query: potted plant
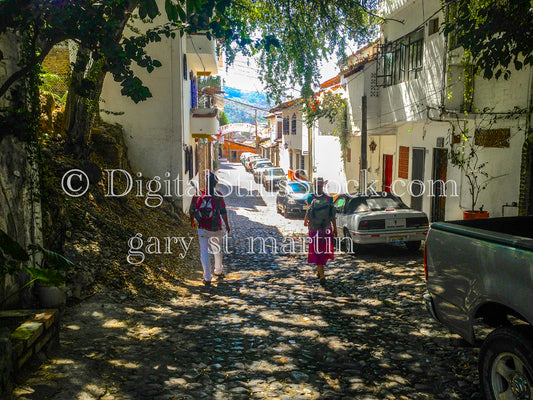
465,156
14,258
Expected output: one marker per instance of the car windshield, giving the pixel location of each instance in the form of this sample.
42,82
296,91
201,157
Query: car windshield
275,172
263,165
384,203
300,188
366,204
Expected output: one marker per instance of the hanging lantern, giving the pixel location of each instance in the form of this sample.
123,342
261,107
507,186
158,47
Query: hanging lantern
372,146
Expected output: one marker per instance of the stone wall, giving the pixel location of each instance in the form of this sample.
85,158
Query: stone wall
20,208
58,62
9,46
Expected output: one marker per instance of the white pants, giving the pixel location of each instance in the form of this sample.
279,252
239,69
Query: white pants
210,243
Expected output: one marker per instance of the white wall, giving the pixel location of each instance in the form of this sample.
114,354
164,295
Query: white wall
154,128
360,84
407,101
403,107
420,135
284,158
294,141
328,162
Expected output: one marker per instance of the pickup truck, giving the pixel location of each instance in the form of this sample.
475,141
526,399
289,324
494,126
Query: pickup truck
479,273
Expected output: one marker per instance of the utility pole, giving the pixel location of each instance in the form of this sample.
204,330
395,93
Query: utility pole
364,133
310,131
256,135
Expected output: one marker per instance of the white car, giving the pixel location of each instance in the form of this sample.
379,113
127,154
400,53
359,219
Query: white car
378,219
271,177
244,155
258,170
249,157
249,166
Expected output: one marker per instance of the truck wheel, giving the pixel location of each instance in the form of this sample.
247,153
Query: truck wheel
414,245
506,364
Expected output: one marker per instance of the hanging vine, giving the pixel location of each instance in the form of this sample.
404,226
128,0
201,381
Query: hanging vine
333,107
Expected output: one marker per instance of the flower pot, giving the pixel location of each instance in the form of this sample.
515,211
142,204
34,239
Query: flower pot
51,296
475,214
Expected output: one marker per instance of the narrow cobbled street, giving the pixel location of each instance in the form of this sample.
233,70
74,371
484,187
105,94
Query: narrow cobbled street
269,331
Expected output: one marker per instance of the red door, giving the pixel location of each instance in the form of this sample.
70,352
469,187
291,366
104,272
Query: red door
387,172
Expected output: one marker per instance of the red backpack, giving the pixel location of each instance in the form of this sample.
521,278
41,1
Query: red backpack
205,210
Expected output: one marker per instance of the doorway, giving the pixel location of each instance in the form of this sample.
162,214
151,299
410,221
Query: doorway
387,173
438,203
417,178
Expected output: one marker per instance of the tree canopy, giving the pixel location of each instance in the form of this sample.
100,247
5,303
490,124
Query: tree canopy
97,25
497,33
288,36
294,35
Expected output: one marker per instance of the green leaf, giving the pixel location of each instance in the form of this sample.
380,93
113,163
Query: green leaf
53,259
152,9
182,14
143,12
46,276
156,63
12,248
171,9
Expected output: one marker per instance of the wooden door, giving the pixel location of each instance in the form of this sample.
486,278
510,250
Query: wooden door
386,177
417,178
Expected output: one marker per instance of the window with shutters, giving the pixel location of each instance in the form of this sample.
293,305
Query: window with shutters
286,126
293,125
400,60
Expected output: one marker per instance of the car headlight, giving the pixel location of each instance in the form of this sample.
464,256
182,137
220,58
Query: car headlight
291,201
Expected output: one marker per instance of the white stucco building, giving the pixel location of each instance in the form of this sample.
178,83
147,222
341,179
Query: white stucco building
417,111
169,134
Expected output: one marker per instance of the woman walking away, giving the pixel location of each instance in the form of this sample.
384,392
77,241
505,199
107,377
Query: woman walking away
207,211
320,218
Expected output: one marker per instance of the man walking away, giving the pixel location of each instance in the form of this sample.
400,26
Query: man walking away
207,211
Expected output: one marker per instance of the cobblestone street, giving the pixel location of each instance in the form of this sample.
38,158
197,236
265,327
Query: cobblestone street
269,331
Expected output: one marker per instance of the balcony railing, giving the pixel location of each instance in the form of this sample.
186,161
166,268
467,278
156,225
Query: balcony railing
204,122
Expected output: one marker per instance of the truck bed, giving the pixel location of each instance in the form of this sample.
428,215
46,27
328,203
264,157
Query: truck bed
514,232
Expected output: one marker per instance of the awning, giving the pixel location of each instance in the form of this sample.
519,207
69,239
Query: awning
208,136
201,135
266,144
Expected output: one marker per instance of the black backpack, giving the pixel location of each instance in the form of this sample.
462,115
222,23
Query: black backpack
320,211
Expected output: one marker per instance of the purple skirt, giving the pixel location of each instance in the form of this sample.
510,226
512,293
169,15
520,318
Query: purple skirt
321,245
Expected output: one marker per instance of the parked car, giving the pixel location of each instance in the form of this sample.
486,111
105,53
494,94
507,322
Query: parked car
258,169
378,219
251,164
244,155
249,157
271,177
292,197
479,277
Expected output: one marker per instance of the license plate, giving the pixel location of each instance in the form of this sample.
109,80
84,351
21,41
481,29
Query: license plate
306,207
396,239
395,223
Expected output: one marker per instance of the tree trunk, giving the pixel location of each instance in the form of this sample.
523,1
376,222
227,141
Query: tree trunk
80,111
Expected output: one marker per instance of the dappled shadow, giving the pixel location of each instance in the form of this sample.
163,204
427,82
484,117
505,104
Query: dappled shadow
269,330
